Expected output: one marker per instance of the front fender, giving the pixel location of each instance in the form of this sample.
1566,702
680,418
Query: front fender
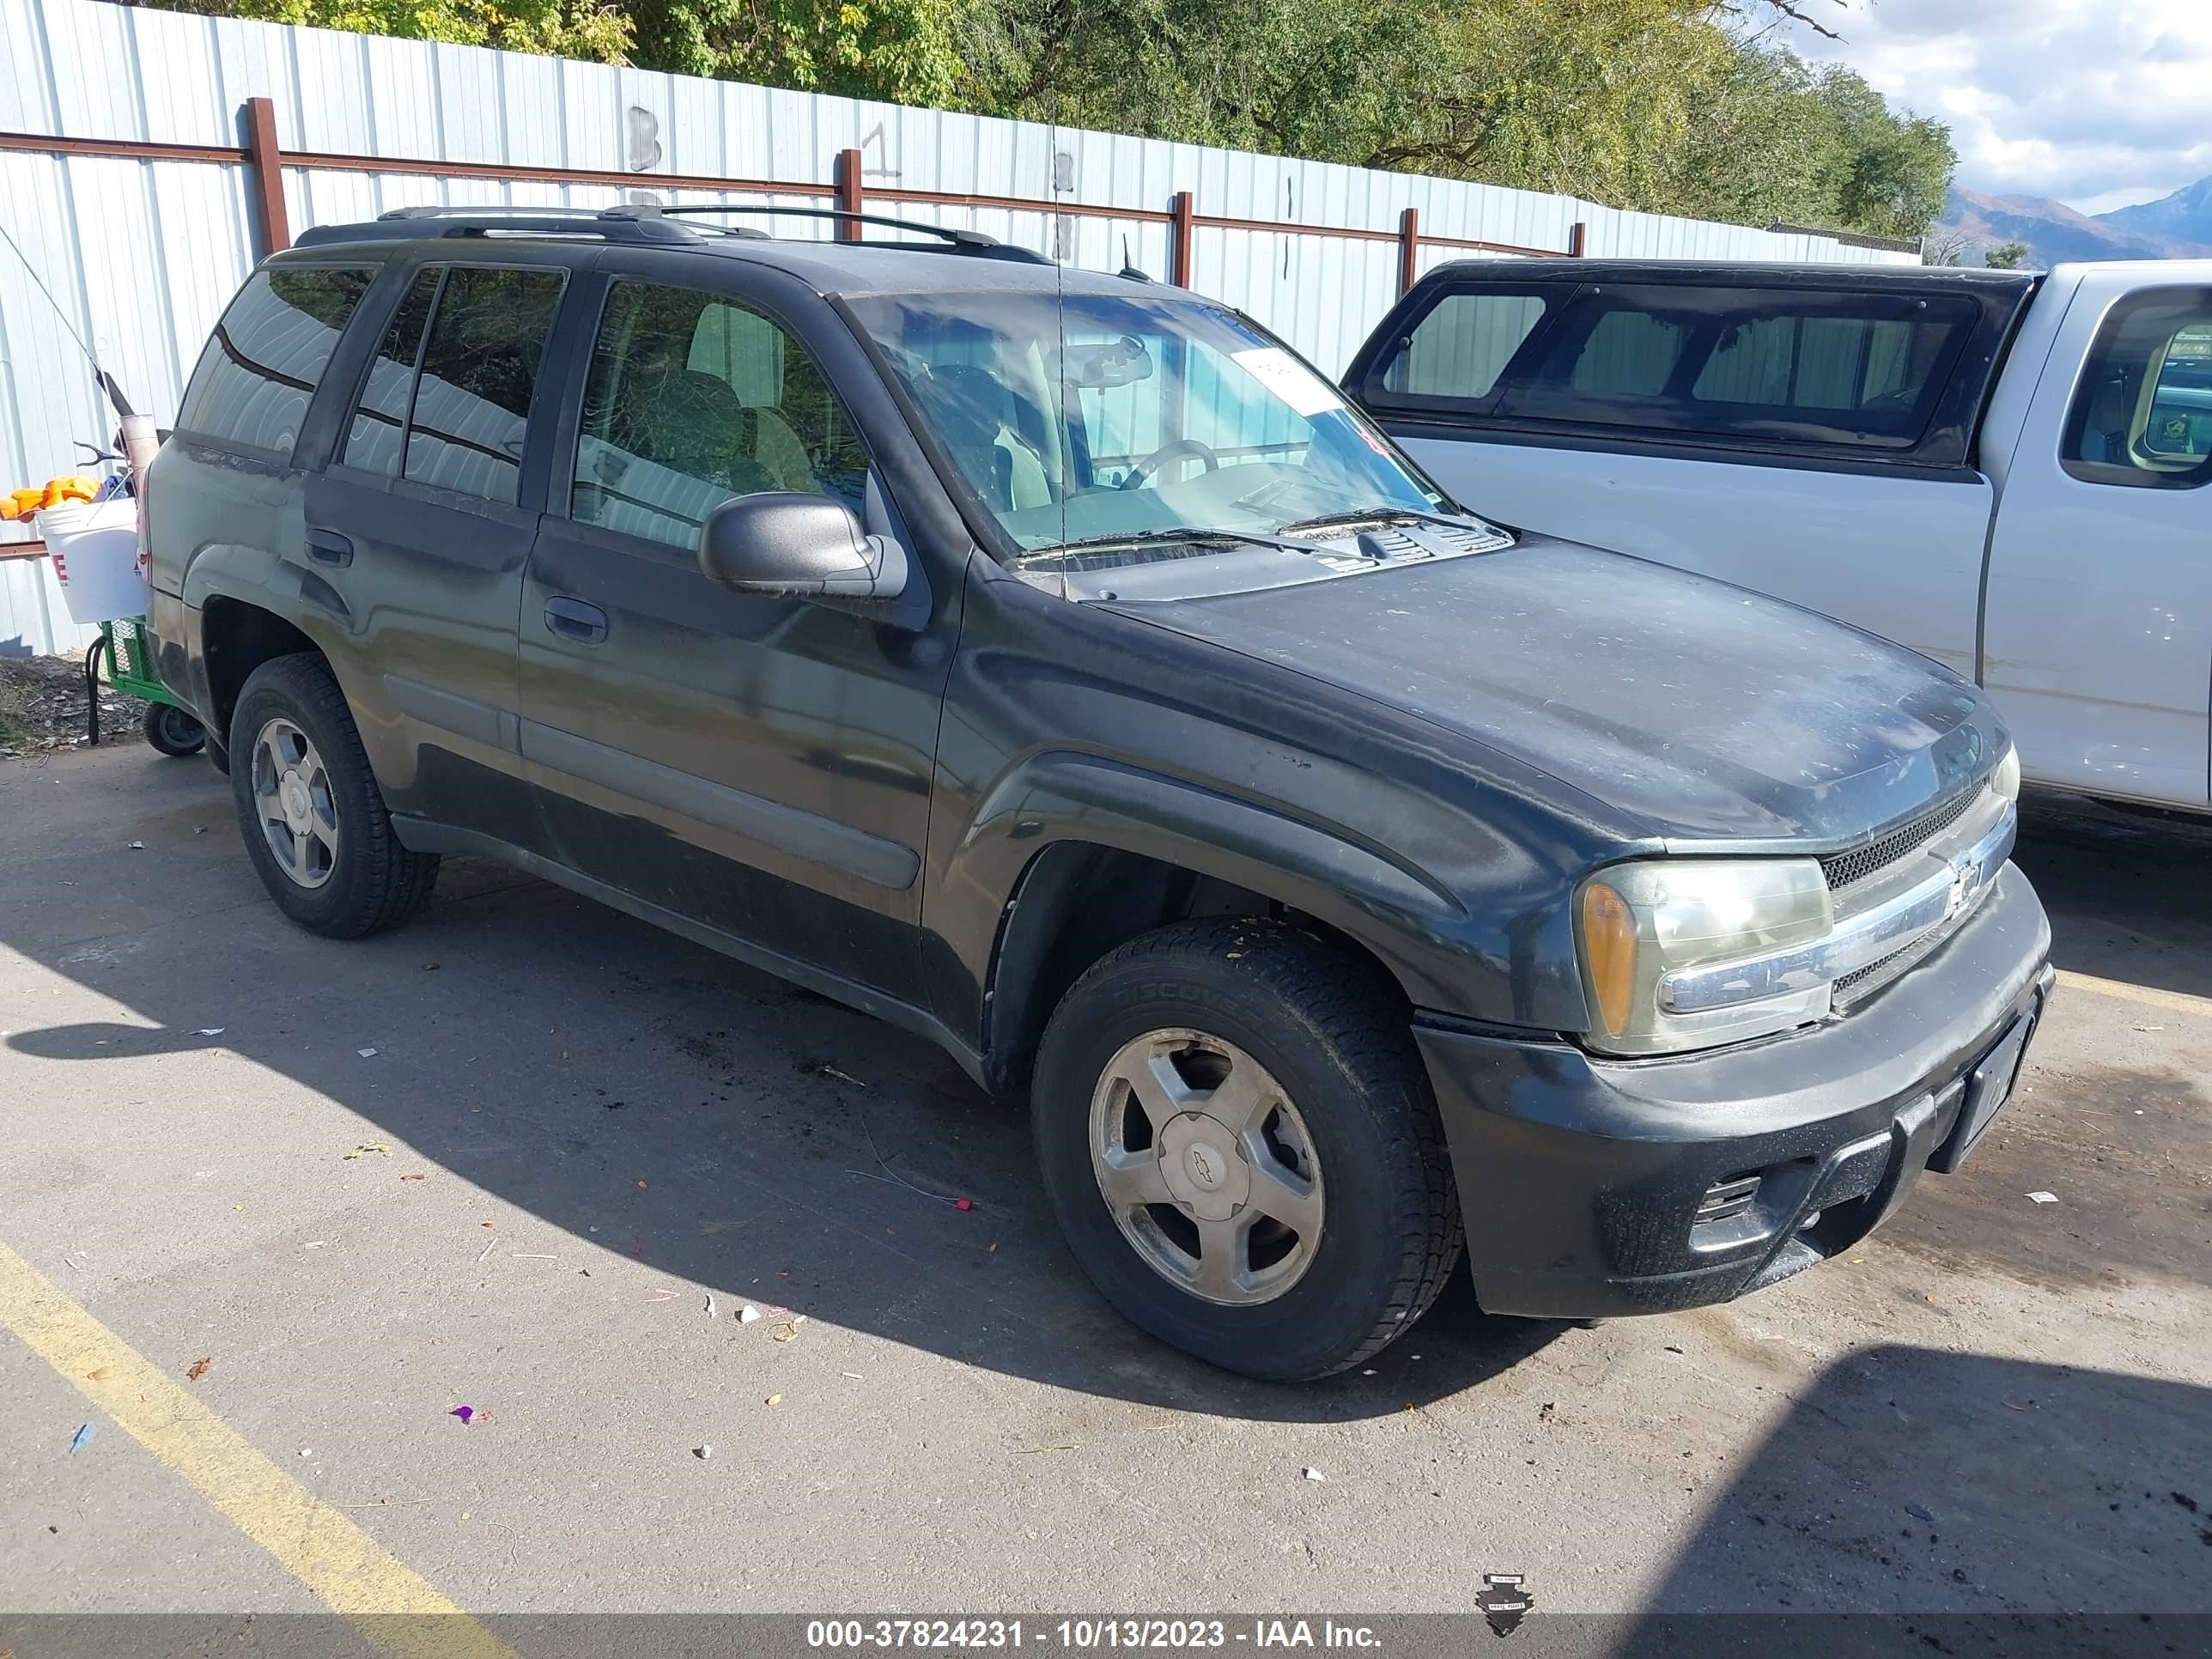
1069,726
1442,955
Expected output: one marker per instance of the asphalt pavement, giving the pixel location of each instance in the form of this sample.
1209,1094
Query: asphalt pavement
300,1201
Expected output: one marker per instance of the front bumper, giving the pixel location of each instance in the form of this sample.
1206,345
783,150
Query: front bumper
1581,1179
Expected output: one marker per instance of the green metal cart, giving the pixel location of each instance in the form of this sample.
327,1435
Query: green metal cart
125,648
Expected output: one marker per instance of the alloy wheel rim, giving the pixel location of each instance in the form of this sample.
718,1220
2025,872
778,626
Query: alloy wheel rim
1207,1166
294,803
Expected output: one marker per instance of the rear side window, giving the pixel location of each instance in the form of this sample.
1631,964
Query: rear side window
1630,354
1853,369
1821,363
378,428
2142,414
1463,345
258,375
479,371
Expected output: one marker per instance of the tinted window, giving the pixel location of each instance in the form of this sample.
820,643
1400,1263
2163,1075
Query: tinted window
1630,354
1822,362
2143,416
692,400
372,441
1844,368
260,370
1461,346
479,370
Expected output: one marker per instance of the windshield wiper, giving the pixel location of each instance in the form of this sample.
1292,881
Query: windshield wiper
1363,515
1146,538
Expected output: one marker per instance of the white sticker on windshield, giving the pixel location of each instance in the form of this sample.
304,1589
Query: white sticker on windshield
1288,378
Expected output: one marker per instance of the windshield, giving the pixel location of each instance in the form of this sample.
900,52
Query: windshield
1116,423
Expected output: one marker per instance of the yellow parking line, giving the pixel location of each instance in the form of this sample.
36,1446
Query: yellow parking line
395,1609
2178,1002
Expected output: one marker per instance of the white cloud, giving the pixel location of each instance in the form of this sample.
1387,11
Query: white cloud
2096,102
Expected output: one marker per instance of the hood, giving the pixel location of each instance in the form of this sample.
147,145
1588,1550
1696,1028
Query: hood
1701,711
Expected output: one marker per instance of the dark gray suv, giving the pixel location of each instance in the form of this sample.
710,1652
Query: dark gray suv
1054,665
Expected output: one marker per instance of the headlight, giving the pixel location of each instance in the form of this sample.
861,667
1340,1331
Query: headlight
2005,780
1639,922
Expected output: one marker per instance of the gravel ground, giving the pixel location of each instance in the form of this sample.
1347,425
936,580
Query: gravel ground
42,707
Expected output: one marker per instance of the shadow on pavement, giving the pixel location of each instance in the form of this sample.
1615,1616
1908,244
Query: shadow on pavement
1916,1485
651,1098
2130,891
659,1102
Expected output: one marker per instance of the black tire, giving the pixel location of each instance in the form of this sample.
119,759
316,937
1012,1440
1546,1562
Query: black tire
1333,1033
373,882
173,731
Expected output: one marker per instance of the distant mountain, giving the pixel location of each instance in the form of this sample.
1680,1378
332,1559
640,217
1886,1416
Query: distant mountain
2186,216
2178,227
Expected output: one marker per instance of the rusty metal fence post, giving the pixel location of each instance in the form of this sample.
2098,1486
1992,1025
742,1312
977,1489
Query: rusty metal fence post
264,174
847,176
1183,214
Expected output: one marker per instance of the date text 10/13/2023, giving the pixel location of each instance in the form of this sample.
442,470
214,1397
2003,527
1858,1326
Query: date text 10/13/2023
1086,1634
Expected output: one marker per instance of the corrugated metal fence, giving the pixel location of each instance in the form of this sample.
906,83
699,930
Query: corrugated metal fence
141,174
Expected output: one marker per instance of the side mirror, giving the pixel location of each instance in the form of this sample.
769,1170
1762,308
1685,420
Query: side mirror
803,547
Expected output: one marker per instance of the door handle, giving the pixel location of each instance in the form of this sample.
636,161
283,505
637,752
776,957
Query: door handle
571,619
328,547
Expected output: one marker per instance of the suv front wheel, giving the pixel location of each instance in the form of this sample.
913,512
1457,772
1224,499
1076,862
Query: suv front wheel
1240,1143
314,820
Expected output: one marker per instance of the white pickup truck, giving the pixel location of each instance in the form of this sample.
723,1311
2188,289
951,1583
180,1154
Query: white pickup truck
2003,471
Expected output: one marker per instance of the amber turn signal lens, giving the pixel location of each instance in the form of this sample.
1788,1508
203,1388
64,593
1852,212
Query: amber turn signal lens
1609,947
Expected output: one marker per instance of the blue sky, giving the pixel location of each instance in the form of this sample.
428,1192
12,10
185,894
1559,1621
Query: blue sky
2099,103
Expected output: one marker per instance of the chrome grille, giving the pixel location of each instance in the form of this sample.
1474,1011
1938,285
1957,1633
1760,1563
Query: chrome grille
1845,869
1858,986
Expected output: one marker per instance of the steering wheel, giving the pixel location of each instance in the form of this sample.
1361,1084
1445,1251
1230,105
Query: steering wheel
1141,474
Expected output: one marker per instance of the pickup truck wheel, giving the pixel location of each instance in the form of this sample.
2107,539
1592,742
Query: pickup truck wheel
1240,1143
314,822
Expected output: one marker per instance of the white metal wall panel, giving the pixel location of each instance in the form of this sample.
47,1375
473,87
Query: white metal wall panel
520,112
142,256
93,72
180,72
252,60
24,105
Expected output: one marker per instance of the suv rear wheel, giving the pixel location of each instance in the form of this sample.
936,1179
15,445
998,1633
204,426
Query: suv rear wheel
314,820
1241,1145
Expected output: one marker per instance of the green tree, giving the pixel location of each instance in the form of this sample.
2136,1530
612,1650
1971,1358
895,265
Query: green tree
1646,104
904,52
1890,171
2005,256
596,29
1680,106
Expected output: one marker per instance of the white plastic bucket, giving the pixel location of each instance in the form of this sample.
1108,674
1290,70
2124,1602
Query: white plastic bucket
94,548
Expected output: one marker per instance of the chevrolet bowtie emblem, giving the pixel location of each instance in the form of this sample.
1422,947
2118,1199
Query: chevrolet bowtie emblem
1963,873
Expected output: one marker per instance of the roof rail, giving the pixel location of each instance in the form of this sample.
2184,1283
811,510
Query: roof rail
963,242
620,224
